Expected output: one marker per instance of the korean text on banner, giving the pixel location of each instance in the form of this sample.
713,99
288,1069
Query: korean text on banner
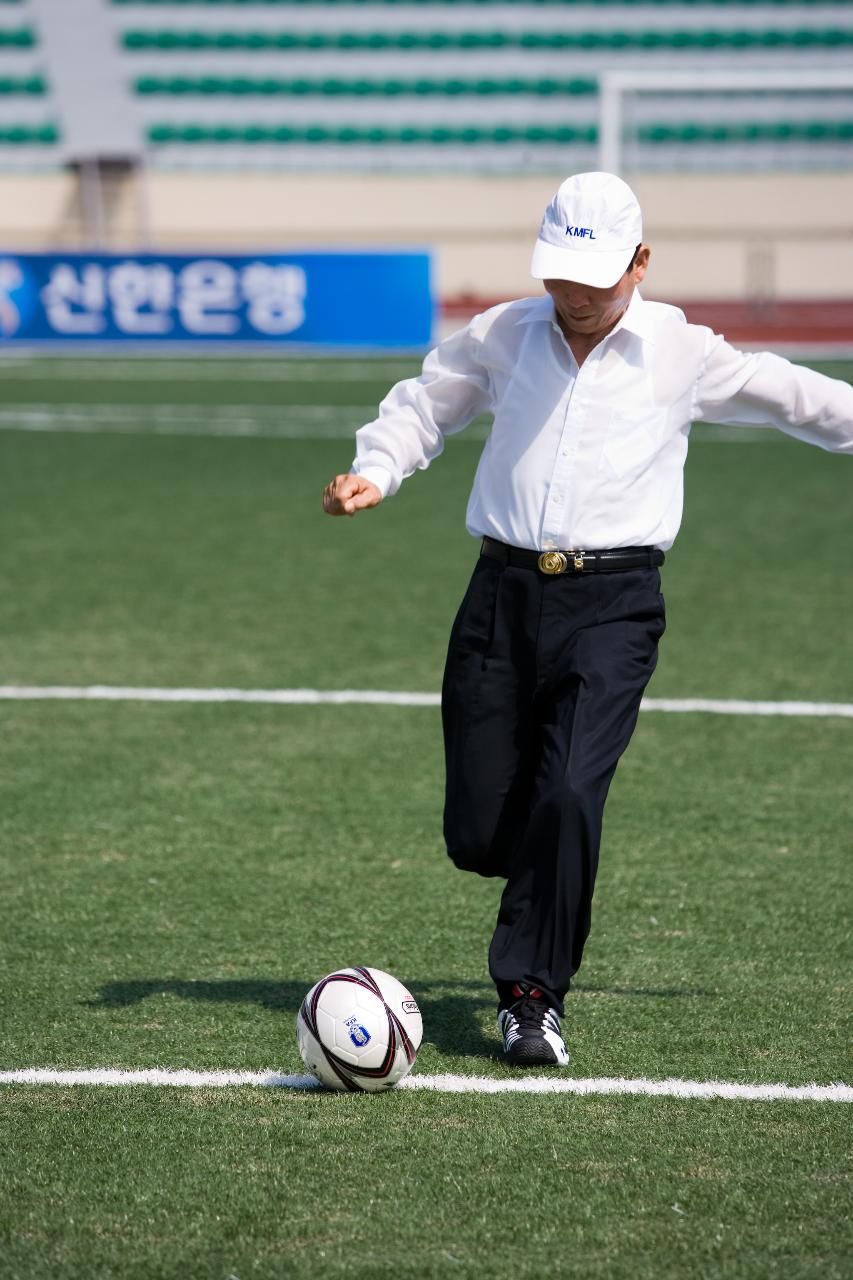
314,299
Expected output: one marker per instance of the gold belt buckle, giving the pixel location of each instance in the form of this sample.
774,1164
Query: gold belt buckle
553,562
558,561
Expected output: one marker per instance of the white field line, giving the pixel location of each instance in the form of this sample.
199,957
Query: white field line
148,369
737,707
111,693
286,422
445,1084
382,697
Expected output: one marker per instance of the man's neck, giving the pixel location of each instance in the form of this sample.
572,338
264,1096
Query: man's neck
582,344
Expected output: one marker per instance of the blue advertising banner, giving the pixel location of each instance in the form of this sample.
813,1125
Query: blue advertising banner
317,299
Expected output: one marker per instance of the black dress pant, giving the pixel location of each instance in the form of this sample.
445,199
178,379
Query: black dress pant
541,693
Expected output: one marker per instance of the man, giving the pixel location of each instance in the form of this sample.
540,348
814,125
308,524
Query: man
577,496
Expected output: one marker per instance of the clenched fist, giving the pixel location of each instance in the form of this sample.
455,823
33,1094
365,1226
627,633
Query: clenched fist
348,494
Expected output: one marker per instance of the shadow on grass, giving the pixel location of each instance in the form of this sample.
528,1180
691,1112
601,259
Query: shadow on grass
283,997
451,1021
452,1010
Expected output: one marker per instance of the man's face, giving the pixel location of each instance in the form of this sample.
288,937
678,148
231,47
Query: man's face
584,310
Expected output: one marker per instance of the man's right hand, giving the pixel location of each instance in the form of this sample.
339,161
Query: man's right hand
348,494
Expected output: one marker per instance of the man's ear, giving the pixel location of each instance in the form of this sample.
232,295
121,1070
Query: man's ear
641,262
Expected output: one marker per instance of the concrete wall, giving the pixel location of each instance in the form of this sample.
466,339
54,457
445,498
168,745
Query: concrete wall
717,237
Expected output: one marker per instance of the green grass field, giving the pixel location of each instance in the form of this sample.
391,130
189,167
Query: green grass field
174,877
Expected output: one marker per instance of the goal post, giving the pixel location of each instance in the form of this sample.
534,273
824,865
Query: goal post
615,86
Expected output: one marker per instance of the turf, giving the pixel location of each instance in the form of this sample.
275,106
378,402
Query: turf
195,867
150,1184
173,878
218,569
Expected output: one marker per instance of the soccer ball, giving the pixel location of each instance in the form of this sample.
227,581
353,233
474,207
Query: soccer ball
359,1029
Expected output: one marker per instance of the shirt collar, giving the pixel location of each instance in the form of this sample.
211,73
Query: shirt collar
539,309
636,319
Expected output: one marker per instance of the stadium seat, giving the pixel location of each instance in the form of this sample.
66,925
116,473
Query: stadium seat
514,81
195,40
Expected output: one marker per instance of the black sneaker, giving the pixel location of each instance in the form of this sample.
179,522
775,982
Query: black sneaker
531,1030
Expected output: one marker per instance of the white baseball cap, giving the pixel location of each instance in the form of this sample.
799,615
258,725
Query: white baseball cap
589,231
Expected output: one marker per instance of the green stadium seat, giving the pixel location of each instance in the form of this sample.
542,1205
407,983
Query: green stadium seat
30,86
758,131
716,28
26,135
798,38
663,4
17,37
439,135
202,86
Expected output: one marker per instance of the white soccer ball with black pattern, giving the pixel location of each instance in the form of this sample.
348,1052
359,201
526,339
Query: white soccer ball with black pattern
359,1029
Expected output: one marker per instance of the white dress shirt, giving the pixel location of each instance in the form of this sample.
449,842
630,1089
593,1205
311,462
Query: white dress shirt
591,457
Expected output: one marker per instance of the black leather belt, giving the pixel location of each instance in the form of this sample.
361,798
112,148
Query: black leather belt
614,560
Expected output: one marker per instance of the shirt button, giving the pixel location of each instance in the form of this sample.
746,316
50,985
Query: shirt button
566,453
556,498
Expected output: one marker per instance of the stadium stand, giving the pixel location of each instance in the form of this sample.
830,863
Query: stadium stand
28,126
439,85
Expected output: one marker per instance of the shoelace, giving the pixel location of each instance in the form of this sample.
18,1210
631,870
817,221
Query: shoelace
533,1014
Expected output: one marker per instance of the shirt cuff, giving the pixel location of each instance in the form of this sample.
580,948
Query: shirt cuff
376,475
